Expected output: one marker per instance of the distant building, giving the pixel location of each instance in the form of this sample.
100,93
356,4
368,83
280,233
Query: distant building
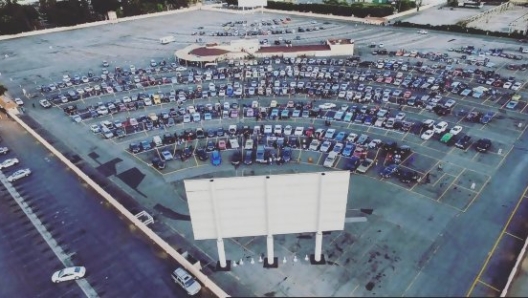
239,49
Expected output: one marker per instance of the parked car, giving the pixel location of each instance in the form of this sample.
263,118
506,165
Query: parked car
389,170
365,165
440,127
202,155
181,277
483,145
352,164
248,156
158,163
426,135
325,146
236,158
69,273
18,175
216,158
464,142
286,154
8,163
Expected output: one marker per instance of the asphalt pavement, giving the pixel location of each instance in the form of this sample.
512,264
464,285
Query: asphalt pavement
119,262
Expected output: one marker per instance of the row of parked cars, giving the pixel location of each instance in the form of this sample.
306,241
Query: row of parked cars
10,162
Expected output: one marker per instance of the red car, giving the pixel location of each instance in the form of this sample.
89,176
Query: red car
222,145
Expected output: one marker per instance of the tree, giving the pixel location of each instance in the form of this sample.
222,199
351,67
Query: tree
3,89
104,6
16,18
67,12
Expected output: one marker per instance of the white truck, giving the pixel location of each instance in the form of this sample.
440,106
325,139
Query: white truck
167,39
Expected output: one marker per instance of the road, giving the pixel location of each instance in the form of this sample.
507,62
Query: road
119,262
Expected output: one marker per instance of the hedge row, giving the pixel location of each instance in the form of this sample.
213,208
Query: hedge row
459,29
359,10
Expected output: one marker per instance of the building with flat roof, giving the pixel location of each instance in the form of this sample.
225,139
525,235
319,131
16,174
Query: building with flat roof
242,48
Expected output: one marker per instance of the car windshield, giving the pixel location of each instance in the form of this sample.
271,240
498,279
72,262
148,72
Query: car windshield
189,282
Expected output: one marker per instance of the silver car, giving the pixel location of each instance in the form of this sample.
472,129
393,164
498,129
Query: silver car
19,174
8,163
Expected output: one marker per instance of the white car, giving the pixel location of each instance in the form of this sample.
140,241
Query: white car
429,123
88,89
325,146
19,174
352,137
288,130
8,162
95,128
507,85
516,86
181,68
102,110
299,131
80,91
329,134
449,103
400,116
126,99
109,90
374,144
427,134
268,129
327,106
85,79
314,145
440,127
19,101
455,130
69,273
4,150
45,103
278,129
422,32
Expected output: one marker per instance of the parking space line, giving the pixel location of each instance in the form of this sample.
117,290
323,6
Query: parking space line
489,286
319,159
412,282
476,155
504,157
449,186
514,236
492,251
478,192
440,178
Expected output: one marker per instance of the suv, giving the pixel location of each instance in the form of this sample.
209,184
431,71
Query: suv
181,277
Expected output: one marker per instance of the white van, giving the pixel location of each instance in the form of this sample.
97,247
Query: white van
181,277
157,141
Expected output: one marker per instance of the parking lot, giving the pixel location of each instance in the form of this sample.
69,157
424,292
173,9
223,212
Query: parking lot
402,250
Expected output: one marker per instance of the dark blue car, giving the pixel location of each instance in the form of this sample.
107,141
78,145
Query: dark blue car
389,170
